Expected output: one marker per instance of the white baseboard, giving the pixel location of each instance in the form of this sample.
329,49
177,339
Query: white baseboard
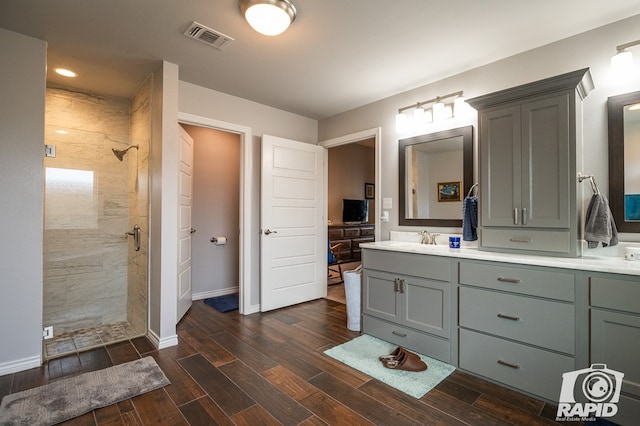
20,365
165,342
252,310
215,293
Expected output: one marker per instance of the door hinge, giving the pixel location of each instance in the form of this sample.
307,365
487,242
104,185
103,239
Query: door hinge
47,332
50,151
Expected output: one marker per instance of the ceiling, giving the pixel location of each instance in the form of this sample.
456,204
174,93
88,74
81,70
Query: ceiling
337,55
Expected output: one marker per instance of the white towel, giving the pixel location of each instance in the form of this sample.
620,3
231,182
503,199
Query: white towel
599,226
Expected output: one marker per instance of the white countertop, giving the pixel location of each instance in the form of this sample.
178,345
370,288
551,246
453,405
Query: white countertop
608,259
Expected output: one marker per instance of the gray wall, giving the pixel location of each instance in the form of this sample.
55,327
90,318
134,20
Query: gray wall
261,120
591,49
215,211
22,84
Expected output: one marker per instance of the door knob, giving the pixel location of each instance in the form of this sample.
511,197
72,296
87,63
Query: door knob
269,231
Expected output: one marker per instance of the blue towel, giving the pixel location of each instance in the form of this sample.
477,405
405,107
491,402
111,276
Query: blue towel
470,218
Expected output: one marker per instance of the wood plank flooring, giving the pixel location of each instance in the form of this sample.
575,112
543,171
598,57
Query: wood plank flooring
269,369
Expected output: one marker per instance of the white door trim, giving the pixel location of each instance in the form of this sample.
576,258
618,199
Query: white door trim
247,210
374,133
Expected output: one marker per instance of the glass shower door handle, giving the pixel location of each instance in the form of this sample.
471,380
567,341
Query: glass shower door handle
136,237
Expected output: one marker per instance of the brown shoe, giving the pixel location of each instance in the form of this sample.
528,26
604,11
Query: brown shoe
405,360
393,355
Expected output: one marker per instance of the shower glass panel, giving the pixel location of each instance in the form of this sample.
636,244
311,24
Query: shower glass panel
95,282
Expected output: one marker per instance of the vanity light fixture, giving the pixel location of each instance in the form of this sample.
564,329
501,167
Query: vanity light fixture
438,110
622,61
65,72
268,17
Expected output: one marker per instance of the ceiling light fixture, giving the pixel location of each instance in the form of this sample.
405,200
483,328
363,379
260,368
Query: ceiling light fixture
65,72
268,17
439,110
623,59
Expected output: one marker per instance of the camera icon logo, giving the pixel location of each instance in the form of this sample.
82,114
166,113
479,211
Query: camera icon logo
590,392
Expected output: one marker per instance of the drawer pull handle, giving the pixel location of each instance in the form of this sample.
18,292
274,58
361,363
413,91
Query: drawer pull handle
397,333
509,317
520,240
509,280
395,285
508,364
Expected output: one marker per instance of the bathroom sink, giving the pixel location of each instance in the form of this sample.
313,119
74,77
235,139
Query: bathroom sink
617,251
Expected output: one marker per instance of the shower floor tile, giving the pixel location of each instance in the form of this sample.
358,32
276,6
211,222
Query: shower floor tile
89,338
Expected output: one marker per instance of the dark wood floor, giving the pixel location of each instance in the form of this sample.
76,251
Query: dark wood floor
265,369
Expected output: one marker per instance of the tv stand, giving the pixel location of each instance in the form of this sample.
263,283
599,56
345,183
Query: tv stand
350,236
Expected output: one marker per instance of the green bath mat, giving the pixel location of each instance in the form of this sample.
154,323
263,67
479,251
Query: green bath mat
362,354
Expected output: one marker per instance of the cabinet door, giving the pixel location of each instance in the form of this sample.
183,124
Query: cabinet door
500,162
545,163
379,295
615,341
425,305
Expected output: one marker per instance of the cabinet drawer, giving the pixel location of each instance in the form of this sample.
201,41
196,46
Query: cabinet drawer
358,241
534,321
534,282
351,232
531,369
526,239
368,230
335,234
437,268
612,293
426,344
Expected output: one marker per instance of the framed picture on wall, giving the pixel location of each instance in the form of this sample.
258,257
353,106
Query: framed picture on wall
449,191
369,191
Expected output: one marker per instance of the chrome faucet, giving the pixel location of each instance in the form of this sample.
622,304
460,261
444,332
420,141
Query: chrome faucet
428,237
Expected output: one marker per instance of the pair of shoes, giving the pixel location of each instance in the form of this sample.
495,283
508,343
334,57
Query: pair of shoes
402,359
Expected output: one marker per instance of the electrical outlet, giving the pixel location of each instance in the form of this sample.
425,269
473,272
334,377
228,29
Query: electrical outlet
47,333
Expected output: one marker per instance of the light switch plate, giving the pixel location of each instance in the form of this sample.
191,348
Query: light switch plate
387,203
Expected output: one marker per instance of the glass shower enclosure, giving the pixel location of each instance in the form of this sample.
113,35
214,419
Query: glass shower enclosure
95,219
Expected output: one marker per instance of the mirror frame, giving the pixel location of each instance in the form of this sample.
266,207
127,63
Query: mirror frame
615,106
467,172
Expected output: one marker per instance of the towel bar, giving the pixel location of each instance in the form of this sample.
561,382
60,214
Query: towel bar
592,180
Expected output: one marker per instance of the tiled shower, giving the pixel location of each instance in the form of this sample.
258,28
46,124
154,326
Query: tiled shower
95,282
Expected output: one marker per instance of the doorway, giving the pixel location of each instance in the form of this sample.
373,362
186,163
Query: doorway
353,174
215,213
247,304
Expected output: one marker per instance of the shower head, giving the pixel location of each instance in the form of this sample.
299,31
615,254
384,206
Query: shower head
119,153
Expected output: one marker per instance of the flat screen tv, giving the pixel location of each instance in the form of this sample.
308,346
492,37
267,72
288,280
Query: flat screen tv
355,211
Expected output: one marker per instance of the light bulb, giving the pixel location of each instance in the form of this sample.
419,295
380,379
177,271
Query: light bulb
267,19
622,62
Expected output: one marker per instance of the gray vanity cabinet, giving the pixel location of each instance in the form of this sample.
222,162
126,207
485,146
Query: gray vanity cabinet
406,301
615,335
517,325
529,147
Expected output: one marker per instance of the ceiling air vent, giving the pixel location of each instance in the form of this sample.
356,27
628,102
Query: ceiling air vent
207,35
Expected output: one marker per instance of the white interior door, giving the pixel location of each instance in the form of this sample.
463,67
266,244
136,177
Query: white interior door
293,241
184,233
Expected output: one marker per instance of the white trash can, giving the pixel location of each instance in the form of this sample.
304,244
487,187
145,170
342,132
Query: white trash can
353,291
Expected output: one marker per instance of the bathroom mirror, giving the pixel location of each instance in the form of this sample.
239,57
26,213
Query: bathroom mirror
624,161
436,173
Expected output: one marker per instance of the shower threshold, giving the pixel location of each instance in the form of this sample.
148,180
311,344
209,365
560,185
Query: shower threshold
89,338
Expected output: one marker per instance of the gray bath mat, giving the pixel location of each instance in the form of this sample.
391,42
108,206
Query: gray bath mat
72,397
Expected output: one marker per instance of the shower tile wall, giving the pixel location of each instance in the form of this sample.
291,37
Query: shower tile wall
85,247
139,206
